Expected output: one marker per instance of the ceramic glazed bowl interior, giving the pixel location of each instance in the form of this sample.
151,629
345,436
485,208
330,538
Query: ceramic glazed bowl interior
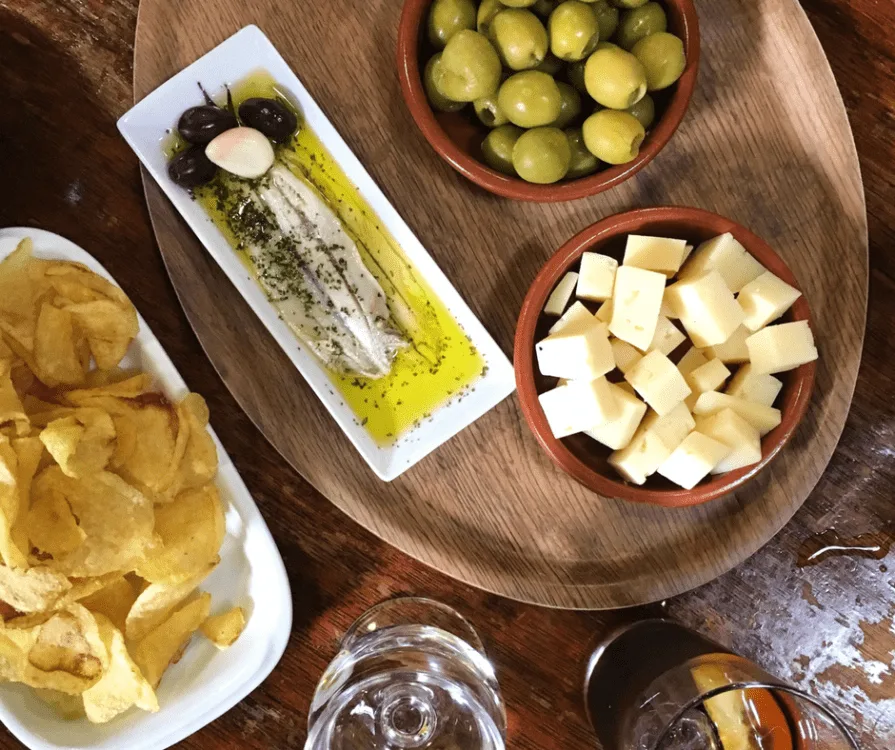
584,458
457,137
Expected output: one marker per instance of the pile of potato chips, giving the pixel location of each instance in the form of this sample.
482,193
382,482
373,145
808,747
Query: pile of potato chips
109,516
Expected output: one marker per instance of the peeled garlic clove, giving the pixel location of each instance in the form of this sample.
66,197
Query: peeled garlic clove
245,152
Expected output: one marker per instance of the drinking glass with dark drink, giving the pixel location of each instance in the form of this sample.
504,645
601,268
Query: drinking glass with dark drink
656,685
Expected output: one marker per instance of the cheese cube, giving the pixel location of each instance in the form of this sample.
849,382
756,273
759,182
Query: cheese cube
580,351
596,278
667,337
759,389
693,459
659,254
726,256
665,310
653,442
691,360
781,347
618,433
604,312
733,350
576,314
708,377
765,299
658,382
559,298
626,356
706,307
687,250
736,433
636,300
762,418
579,405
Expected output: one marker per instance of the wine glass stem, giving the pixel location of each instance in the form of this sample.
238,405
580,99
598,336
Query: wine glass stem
407,717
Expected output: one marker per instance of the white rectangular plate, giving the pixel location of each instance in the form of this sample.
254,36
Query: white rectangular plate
205,682
145,126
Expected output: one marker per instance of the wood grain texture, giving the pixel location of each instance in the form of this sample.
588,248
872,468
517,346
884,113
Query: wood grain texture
65,70
489,507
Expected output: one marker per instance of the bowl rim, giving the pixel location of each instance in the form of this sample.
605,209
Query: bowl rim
797,394
414,94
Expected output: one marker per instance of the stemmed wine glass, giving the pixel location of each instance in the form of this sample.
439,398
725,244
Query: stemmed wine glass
410,673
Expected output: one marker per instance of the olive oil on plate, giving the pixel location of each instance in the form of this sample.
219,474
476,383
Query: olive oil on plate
440,363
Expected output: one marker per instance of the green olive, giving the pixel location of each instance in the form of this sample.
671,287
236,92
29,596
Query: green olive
607,17
640,22
644,111
436,98
574,31
469,68
542,155
628,3
662,55
497,148
530,99
607,45
612,136
520,38
570,106
518,3
614,78
575,75
550,65
447,17
583,161
489,112
487,10
544,7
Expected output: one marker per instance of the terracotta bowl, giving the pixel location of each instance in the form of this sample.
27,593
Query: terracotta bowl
584,458
457,136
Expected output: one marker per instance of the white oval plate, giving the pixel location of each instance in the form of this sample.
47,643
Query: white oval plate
205,682
145,127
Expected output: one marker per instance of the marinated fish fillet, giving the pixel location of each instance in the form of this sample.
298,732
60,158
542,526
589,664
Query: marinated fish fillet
314,274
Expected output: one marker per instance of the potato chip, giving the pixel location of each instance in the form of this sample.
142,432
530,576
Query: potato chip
117,383
122,684
65,653
11,410
81,443
158,600
82,588
158,649
200,457
116,520
77,283
159,441
190,530
51,527
32,590
223,629
109,328
69,707
21,289
29,451
114,601
57,360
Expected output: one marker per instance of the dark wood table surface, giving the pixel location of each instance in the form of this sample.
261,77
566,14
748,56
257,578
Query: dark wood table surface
65,77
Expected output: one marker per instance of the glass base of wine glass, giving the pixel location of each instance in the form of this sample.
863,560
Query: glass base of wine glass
410,674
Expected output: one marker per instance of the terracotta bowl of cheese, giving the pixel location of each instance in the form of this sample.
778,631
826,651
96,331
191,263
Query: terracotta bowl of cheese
583,457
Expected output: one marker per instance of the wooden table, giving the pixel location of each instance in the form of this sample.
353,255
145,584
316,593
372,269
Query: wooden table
65,69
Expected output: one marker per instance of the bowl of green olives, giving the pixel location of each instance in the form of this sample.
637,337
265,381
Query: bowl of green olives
548,100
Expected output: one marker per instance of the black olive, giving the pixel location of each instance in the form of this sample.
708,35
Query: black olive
203,124
273,119
191,168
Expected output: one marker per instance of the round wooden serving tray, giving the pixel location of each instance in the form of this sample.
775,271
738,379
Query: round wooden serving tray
766,142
